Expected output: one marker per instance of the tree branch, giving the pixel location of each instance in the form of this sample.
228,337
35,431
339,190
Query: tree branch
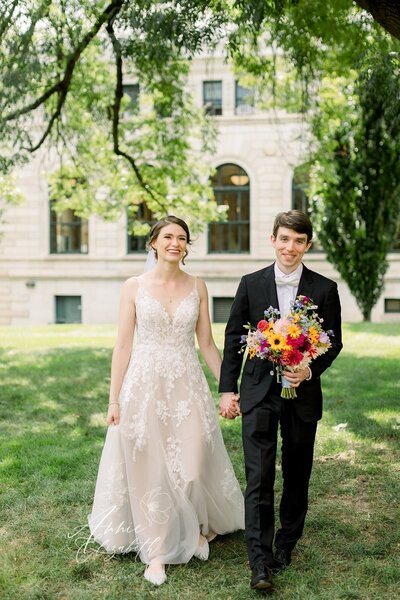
156,196
62,86
5,20
385,12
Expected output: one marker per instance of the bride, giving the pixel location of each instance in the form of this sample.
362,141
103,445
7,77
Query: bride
165,486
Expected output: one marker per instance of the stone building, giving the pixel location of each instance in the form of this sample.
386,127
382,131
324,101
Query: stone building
59,268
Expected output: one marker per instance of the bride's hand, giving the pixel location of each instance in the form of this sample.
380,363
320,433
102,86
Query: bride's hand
113,414
229,405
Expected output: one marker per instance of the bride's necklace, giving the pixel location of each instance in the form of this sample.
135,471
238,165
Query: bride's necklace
169,297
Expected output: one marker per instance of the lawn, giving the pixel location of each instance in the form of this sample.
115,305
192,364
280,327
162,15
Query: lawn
53,395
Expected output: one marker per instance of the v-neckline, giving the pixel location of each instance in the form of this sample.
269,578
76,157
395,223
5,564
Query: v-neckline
170,317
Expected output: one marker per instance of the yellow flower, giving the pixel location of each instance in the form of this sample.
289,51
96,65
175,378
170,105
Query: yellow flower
313,335
252,352
276,341
294,331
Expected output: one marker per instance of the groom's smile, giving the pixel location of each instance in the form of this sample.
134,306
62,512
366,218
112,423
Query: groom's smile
290,248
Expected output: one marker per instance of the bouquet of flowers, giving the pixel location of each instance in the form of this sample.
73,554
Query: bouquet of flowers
290,342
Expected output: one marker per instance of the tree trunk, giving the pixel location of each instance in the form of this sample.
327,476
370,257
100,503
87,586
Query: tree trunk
366,313
385,12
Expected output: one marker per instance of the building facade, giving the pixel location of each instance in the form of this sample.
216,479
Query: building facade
59,268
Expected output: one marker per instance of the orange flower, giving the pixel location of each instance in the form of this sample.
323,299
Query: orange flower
313,334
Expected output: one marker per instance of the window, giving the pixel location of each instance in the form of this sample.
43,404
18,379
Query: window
137,243
396,243
299,196
392,305
212,97
68,309
244,100
221,309
68,232
300,200
131,90
232,189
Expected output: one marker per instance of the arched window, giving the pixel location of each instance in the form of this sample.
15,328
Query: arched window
231,188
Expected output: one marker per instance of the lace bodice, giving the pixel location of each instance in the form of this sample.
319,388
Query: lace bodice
162,337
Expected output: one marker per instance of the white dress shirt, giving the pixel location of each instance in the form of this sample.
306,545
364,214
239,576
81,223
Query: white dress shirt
287,293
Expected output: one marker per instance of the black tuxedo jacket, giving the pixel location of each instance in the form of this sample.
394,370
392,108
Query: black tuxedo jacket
256,293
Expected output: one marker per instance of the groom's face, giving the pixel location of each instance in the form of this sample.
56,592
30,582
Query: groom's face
290,248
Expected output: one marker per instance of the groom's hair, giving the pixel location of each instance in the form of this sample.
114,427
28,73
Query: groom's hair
296,220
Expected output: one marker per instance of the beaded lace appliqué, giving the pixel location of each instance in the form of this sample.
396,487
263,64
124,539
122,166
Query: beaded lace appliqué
164,353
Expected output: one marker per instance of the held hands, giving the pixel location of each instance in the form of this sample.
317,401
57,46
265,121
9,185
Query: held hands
113,413
229,405
297,377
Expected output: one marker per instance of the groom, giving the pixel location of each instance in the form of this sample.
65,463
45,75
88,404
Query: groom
261,404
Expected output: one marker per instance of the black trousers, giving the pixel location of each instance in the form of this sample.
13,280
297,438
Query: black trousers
260,433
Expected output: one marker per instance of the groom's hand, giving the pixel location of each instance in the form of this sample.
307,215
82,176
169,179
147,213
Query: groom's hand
297,377
229,405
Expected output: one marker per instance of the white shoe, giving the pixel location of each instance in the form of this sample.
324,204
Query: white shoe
155,577
203,551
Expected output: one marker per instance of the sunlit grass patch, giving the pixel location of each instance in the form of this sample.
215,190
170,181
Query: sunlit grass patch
53,397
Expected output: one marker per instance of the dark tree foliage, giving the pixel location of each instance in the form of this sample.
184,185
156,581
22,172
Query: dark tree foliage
358,182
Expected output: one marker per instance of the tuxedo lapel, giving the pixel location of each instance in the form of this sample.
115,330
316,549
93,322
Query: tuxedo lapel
306,283
269,288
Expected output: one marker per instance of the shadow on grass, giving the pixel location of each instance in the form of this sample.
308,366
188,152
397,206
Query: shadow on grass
52,412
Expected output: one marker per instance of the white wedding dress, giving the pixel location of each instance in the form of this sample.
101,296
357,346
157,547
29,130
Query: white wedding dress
164,473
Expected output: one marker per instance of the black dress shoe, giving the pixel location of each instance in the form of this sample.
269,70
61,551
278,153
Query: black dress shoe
261,578
282,559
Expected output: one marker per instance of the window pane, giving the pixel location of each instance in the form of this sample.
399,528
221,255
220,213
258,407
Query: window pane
68,309
245,241
300,199
131,90
84,237
233,236
221,309
212,97
396,243
244,206
392,305
68,233
244,100
137,243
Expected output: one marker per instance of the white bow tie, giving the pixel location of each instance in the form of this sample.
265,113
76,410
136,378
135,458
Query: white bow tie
294,281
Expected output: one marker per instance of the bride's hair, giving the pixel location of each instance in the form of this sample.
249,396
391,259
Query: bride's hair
168,220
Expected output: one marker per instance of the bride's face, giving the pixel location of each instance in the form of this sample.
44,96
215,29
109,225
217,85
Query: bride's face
170,244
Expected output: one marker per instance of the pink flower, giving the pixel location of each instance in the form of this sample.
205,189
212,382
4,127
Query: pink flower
281,325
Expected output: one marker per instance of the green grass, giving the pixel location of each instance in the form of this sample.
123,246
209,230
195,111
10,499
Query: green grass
54,387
